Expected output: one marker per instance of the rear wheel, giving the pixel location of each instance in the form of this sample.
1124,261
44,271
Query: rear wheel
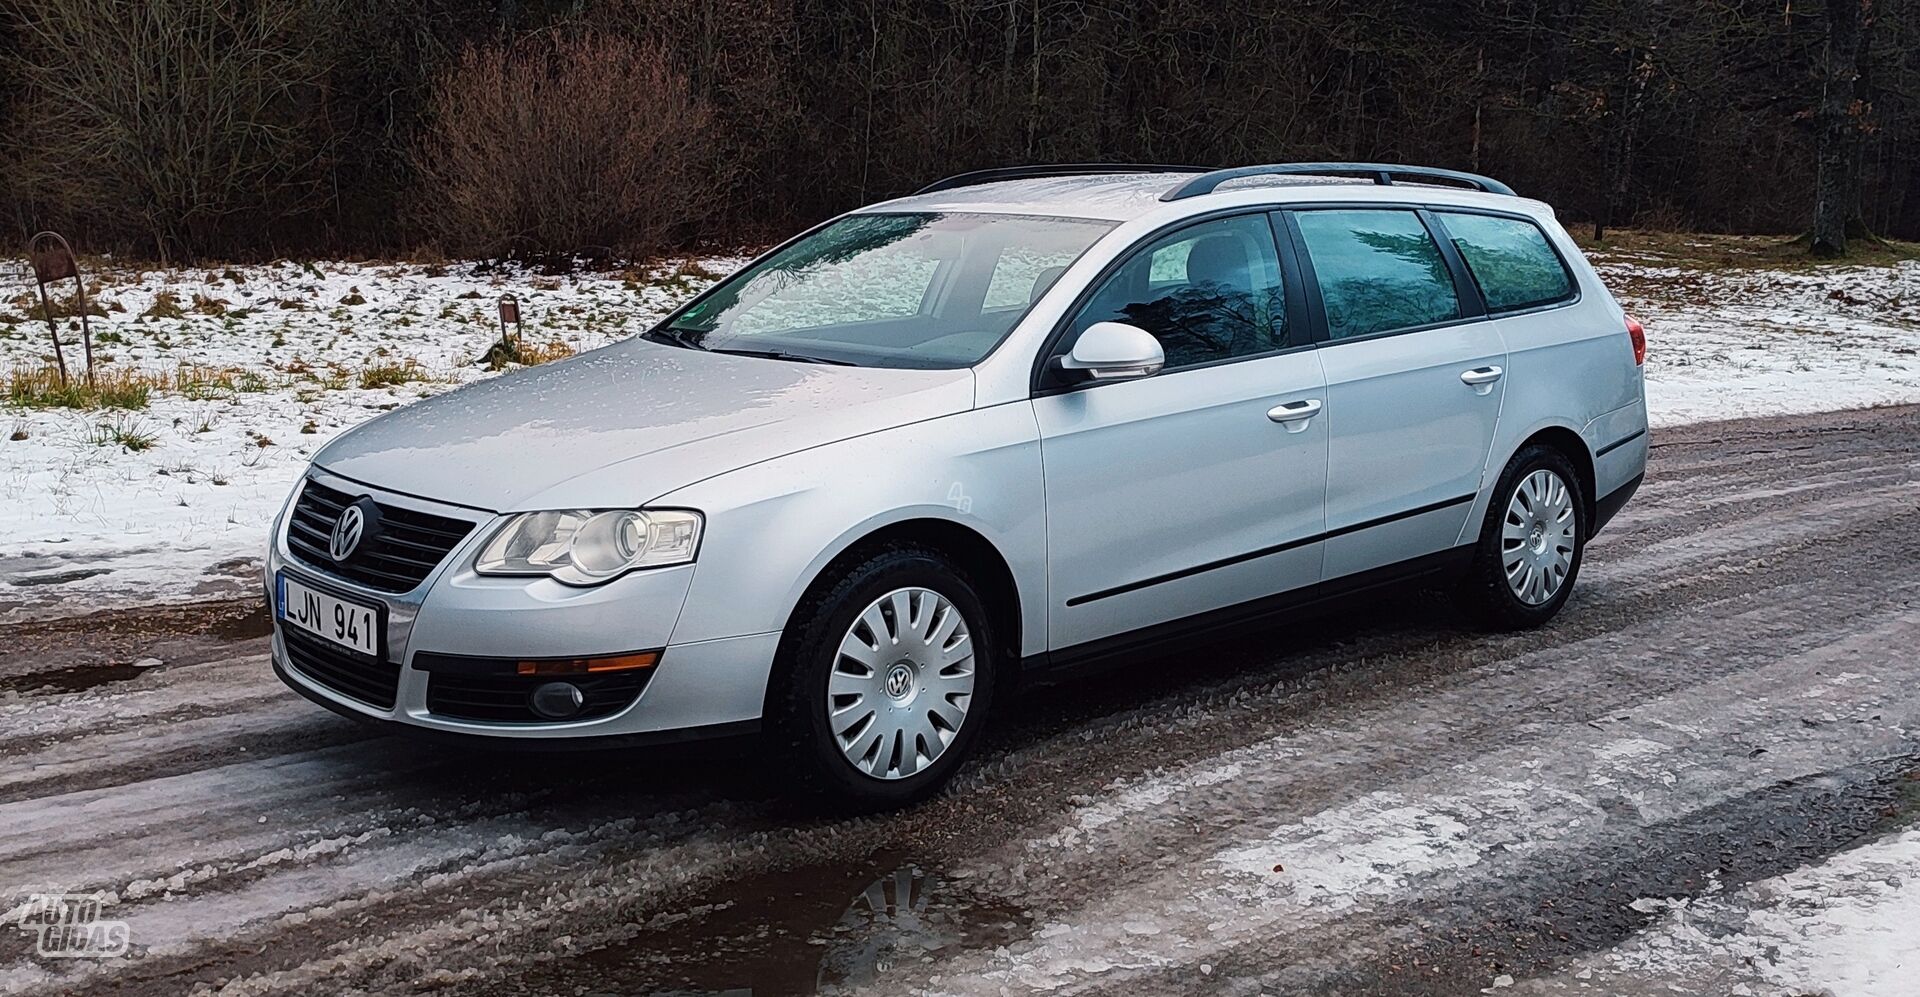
1530,545
887,673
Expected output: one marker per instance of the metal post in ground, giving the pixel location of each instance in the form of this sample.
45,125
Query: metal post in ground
53,260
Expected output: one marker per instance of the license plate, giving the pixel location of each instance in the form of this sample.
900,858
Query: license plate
338,621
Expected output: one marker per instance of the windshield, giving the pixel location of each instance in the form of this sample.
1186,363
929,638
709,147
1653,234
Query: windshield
927,289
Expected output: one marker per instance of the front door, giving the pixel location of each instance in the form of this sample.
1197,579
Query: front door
1202,486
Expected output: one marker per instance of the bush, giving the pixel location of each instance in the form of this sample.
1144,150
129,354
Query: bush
194,127
581,145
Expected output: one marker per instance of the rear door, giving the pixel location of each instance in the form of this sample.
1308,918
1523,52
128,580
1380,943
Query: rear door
1201,486
1415,380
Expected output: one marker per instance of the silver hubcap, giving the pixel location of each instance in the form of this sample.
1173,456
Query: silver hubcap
1536,545
901,683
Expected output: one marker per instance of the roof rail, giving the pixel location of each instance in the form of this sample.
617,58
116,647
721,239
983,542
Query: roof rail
1061,170
1381,173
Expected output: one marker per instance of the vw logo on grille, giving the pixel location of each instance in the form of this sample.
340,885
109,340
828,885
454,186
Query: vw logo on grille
347,533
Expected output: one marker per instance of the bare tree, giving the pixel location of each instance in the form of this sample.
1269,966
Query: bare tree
185,115
1838,119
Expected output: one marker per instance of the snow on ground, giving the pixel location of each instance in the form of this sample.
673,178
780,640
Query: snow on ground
264,364
1750,341
1845,926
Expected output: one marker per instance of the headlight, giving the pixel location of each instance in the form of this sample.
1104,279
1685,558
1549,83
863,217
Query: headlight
585,547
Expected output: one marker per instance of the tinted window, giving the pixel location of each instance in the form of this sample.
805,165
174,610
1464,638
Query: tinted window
1511,260
1208,292
1378,270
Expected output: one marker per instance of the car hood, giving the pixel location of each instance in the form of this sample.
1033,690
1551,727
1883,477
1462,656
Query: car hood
627,423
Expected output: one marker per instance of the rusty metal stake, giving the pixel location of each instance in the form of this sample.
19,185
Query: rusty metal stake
53,260
510,312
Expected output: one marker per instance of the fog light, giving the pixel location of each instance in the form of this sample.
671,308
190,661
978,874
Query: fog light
556,700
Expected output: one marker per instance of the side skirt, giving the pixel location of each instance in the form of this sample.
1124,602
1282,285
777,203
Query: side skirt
1065,664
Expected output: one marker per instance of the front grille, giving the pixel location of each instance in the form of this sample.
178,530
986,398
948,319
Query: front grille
504,698
395,556
365,680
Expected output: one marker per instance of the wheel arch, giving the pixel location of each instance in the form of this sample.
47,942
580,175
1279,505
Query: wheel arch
1574,447
970,550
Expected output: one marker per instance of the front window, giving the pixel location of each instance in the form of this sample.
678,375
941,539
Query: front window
1209,292
923,289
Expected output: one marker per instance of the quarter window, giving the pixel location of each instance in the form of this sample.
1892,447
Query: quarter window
1511,260
1208,292
1379,270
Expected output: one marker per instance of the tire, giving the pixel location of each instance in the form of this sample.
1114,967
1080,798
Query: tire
845,655
1534,533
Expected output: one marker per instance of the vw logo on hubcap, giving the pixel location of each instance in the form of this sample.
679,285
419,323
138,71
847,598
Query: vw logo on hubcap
899,681
347,533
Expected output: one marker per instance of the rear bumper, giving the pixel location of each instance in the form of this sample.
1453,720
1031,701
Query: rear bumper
1610,504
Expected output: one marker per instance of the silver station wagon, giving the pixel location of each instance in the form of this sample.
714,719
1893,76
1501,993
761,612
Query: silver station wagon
1019,420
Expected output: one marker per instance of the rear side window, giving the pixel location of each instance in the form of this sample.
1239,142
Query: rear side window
1511,260
1378,269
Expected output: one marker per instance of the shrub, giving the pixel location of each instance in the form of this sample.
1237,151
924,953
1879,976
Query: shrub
195,126
575,145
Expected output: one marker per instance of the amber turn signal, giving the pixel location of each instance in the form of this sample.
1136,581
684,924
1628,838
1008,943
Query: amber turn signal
589,666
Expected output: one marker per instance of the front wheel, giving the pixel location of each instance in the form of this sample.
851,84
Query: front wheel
1528,555
886,674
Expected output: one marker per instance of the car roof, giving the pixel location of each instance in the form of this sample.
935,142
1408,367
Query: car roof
1123,197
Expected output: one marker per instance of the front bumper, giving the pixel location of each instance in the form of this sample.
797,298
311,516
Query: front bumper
702,686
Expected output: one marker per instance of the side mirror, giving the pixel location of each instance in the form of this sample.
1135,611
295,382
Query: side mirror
1112,351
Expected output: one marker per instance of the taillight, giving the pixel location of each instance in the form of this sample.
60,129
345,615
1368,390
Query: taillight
1639,334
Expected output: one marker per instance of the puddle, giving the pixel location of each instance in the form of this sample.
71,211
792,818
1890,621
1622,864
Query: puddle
28,570
58,577
77,679
815,930
243,626
156,636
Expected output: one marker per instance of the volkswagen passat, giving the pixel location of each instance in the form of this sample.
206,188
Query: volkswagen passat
1018,420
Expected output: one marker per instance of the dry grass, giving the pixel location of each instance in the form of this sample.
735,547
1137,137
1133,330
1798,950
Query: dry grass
547,352
1705,251
67,306
388,375
166,304
127,432
204,305
40,387
205,383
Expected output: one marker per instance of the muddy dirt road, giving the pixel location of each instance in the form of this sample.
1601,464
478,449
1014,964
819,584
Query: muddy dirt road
1376,802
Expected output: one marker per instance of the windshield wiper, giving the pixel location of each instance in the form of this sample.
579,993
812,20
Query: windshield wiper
779,355
687,339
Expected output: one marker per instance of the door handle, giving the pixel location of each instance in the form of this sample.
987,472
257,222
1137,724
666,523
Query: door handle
1481,379
1295,415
